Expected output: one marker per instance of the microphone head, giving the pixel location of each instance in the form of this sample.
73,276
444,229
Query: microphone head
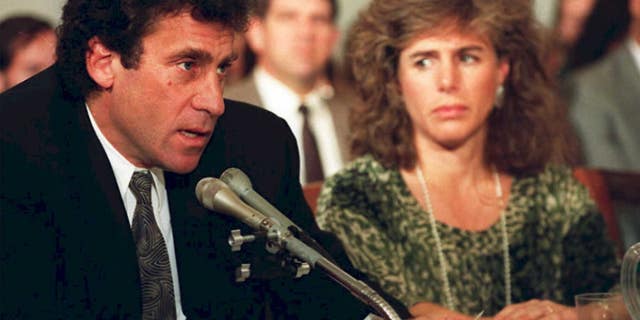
215,195
236,180
208,186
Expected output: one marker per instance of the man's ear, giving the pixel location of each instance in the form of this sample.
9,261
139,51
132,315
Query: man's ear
99,62
255,35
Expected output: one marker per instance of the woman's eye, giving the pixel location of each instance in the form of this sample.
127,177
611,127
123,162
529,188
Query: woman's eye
187,65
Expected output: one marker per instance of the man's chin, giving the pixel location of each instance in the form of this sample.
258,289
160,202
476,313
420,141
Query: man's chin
183,166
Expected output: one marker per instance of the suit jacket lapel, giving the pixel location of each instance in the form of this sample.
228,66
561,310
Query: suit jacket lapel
339,109
98,217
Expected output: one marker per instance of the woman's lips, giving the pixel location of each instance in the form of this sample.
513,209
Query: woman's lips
450,111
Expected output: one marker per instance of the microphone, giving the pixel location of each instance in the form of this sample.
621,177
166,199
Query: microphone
240,183
215,195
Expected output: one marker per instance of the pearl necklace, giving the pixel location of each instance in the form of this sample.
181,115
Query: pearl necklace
436,235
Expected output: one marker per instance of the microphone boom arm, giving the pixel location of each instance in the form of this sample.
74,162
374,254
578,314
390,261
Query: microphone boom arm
215,195
357,288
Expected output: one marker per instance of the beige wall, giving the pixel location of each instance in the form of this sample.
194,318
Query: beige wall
348,11
47,9
51,9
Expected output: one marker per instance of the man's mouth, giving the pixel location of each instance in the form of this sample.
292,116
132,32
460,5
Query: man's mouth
193,134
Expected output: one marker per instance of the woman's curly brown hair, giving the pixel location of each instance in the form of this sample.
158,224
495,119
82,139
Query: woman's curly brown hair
525,134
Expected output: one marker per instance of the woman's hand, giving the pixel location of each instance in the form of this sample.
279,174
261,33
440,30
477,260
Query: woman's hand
537,309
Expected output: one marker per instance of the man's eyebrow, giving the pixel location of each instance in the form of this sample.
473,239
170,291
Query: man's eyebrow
195,54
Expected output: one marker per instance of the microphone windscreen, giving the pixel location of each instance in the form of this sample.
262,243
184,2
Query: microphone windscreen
206,189
237,180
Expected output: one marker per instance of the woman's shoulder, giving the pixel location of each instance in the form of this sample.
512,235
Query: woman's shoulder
363,180
551,176
365,169
555,187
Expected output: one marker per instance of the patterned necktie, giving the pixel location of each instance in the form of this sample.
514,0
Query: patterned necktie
153,260
312,164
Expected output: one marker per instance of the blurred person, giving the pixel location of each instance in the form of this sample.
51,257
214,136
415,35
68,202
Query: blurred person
572,17
585,31
101,154
604,104
565,31
244,62
293,42
603,31
460,203
27,46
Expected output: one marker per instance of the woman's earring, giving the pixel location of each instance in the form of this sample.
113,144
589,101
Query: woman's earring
499,99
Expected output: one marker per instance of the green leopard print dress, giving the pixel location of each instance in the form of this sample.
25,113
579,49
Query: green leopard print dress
558,244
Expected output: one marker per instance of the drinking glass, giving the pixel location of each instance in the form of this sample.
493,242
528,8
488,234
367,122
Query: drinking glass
601,306
630,280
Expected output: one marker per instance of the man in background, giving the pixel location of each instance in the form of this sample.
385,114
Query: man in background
605,104
27,46
101,154
293,42
605,111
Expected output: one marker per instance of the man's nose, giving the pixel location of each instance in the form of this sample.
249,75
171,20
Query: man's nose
209,96
305,28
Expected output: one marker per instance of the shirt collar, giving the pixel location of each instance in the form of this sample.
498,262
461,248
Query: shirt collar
123,169
276,94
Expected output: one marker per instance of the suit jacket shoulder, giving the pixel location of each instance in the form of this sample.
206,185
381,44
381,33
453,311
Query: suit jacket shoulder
64,223
244,90
604,110
340,105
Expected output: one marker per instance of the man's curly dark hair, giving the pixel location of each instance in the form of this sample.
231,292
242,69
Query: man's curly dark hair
121,24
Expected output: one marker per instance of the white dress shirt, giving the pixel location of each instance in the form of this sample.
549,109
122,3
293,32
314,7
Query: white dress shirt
279,99
123,171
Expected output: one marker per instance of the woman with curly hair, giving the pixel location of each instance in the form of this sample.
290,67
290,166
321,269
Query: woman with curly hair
461,202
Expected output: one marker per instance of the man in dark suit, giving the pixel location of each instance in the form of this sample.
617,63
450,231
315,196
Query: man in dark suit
137,91
293,42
